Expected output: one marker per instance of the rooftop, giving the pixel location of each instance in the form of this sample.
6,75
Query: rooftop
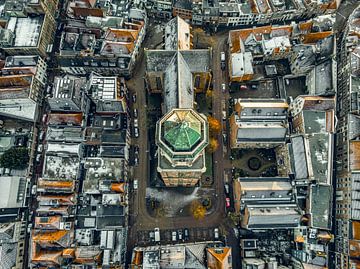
102,170
27,30
182,131
320,202
61,167
12,192
278,216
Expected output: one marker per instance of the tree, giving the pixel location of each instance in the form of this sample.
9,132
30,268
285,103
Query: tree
198,211
214,126
213,145
15,158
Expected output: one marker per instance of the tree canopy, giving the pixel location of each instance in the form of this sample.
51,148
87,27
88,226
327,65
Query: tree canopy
214,126
213,145
198,211
15,158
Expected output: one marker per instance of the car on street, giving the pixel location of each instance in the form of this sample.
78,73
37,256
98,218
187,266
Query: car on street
157,234
136,161
135,184
173,236
33,189
180,234
223,87
224,138
38,158
222,56
44,118
42,136
134,98
227,202
40,148
216,233
224,115
222,65
136,123
243,87
136,131
186,234
135,113
136,150
227,189
152,236
254,87
222,60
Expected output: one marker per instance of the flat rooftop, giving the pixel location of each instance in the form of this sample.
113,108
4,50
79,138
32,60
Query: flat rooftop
27,30
61,167
320,206
12,191
102,169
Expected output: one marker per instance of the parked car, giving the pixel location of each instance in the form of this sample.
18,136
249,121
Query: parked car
173,236
33,189
136,123
44,118
42,136
254,87
180,234
152,236
135,184
224,138
223,87
134,98
216,233
136,150
222,56
136,161
227,202
135,113
157,234
186,234
222,65
227,189
243,87
136,132
40,148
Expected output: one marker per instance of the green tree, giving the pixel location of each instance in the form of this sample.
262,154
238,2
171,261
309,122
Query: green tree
15,158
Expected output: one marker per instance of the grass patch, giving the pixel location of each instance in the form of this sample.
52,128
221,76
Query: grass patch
209,165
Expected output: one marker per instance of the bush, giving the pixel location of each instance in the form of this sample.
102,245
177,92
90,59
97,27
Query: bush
15,158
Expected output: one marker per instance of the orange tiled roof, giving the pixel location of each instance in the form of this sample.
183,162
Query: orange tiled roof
218,260
354,155
58,118
48,222
43,183
356,230
311,38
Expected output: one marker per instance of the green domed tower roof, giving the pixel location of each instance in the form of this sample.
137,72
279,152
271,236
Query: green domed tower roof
182,131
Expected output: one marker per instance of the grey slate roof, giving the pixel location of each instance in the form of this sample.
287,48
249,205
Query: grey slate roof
177,68
299,162
273,217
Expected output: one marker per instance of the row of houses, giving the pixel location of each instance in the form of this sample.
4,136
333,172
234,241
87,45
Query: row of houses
347,238
69,207
299,131
92,37
82,190
214,13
